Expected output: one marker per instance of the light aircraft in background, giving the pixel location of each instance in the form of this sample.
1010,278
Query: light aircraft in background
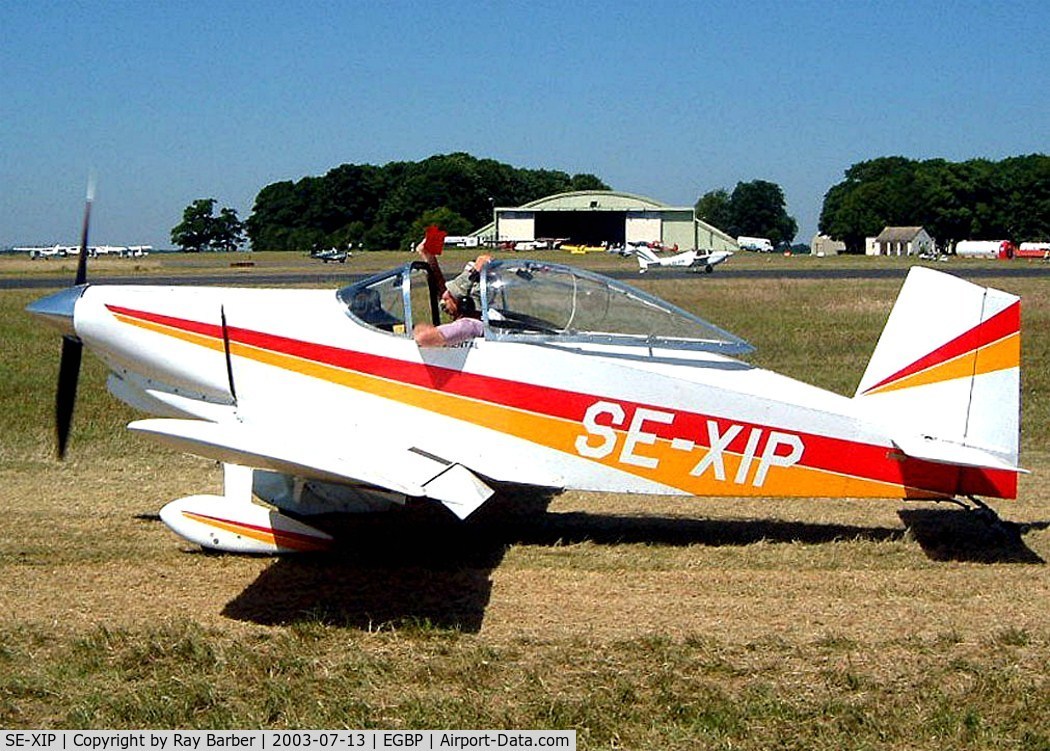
579,250
95,251
332,255
121,251
101,251
49,251
693,260
318,401
540,243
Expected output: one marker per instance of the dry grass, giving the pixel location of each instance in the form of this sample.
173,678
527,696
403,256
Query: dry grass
641,622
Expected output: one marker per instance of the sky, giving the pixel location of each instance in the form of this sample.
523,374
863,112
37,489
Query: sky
167,102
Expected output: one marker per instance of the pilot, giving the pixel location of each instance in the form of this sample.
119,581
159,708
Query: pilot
461,301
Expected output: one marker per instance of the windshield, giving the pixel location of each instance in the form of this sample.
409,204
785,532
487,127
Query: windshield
534,299
378,301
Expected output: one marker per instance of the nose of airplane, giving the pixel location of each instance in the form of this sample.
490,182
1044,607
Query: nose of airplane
57,309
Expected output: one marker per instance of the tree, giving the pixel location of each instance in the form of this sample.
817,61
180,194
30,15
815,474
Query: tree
449,221
586,181
227,231
713,207
758,210
755,209
193,234
201,230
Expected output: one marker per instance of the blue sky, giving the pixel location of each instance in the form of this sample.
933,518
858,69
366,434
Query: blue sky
167,102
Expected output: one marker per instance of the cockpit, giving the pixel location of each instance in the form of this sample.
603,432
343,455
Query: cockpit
539,302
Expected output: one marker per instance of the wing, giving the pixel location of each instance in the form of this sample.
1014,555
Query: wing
370,460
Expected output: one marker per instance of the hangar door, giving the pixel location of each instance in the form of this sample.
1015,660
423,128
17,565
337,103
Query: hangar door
643,226
585,227
516,226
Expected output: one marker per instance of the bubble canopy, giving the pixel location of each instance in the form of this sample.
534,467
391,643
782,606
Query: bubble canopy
528,298
535,301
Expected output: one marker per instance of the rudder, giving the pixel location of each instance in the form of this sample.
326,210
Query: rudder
947,370
645,257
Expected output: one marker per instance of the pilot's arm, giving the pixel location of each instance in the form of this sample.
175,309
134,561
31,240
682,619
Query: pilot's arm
435,267
448,334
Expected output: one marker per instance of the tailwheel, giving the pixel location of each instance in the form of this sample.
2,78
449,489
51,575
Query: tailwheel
985,514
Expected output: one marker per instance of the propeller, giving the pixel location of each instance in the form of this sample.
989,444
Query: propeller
72,347
66,395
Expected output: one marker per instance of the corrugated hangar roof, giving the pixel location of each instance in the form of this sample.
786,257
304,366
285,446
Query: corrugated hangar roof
605,200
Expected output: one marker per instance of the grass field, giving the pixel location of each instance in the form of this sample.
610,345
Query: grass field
642,623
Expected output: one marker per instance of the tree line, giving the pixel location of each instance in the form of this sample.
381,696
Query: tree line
977,199
382,207
386,207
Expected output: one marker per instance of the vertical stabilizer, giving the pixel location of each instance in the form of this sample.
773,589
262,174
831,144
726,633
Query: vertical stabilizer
645,257
947,365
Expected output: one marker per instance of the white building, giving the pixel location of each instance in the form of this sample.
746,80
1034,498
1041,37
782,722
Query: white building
822,245
902,241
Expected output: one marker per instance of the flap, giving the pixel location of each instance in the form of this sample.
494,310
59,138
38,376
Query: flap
460,490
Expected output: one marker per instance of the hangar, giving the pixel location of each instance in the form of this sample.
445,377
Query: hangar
593,217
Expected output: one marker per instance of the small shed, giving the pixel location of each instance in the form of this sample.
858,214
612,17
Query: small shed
903,241
822,245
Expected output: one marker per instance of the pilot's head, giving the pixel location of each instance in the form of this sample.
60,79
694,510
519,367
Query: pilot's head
462,297
458,306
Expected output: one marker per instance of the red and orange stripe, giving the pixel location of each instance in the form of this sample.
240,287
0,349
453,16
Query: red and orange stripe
552,417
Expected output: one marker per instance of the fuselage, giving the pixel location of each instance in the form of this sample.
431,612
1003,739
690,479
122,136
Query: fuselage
566,414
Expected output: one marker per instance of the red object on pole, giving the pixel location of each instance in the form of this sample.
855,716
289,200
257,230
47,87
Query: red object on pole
434,242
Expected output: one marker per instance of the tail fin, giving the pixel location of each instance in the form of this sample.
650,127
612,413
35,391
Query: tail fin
645,257
946,372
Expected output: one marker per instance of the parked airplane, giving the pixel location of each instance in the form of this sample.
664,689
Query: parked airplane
49,251
693,260
96,251
121,251
63,251
320,401
332,255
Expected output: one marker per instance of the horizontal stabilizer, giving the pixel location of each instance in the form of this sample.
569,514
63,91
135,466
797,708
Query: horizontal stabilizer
945,452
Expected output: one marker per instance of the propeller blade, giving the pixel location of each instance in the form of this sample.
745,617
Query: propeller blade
66,395
81,276
72,347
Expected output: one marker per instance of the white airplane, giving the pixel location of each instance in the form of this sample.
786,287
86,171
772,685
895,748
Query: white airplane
693,260
320,401
106,250
63,251
50,251
332,255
